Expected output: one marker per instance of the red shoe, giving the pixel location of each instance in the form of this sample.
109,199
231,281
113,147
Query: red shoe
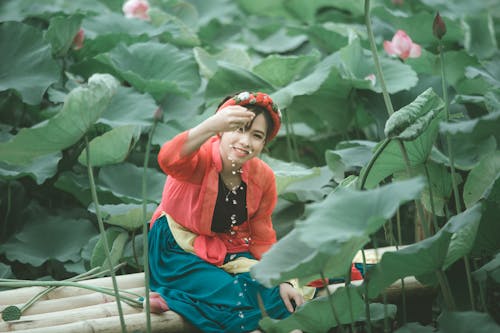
157,304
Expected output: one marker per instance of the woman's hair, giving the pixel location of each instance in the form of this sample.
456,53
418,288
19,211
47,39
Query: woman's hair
256,109
260,110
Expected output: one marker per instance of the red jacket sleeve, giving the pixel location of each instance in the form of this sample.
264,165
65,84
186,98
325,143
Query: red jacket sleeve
263,235
178,166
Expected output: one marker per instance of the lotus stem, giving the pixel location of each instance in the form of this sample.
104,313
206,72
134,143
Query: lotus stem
9,283
431,197
330,301
445,289
288,130
145,227
367,304
454,185
403,291
103,235
378,68
372,161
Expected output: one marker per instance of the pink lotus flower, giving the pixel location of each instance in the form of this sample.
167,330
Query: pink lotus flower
78,39
402,46
136,9
398,2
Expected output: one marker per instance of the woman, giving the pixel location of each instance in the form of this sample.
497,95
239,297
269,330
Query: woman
214,220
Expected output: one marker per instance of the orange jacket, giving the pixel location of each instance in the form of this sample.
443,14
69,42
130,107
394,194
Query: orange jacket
190,193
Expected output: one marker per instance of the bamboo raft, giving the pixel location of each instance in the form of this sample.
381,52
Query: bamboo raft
72,309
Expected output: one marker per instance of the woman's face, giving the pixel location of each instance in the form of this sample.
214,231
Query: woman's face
245,143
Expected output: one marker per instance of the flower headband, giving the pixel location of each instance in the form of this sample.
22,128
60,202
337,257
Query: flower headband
259,99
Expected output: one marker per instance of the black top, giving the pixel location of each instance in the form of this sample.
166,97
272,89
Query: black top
230,207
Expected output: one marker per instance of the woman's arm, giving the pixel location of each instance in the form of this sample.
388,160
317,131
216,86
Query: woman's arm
228,119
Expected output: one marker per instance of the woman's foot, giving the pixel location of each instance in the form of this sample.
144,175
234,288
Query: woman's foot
157,304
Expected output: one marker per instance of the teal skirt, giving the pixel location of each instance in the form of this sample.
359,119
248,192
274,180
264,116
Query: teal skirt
205,295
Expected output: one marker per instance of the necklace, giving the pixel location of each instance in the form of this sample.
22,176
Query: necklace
230,188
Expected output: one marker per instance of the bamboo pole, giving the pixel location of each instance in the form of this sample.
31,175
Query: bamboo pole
75,302
56,318
166,322
22,295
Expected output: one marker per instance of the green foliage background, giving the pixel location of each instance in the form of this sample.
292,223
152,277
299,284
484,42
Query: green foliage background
313,57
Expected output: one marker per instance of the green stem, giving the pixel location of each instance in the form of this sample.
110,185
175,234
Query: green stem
403,290
330,300
420,210
145,227
454,185
367,303
288,136
469,282
372,161
103,235
431,197
378,68
35,298
445,289
7,213
8,283
448,139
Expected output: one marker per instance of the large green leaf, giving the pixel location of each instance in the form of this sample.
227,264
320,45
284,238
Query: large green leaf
288,173
355,65
441,186
424,257
487,241
330,36
462,241
129,107
229,79
112,27
310,186
476,129
391,159
490,269
154,68
208,63
481,178
26,61
418,25
480,37
40,169
18,10
67,238
278,42
61,32
332,232
316,315
112,147
349,156
466,322
412,120
82,108
306,85
117,239
111,179
282,70
128,216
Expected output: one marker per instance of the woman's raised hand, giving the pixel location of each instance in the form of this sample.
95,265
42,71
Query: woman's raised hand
231,118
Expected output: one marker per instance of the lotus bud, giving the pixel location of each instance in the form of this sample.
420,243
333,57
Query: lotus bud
438,27
78,39
158,114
